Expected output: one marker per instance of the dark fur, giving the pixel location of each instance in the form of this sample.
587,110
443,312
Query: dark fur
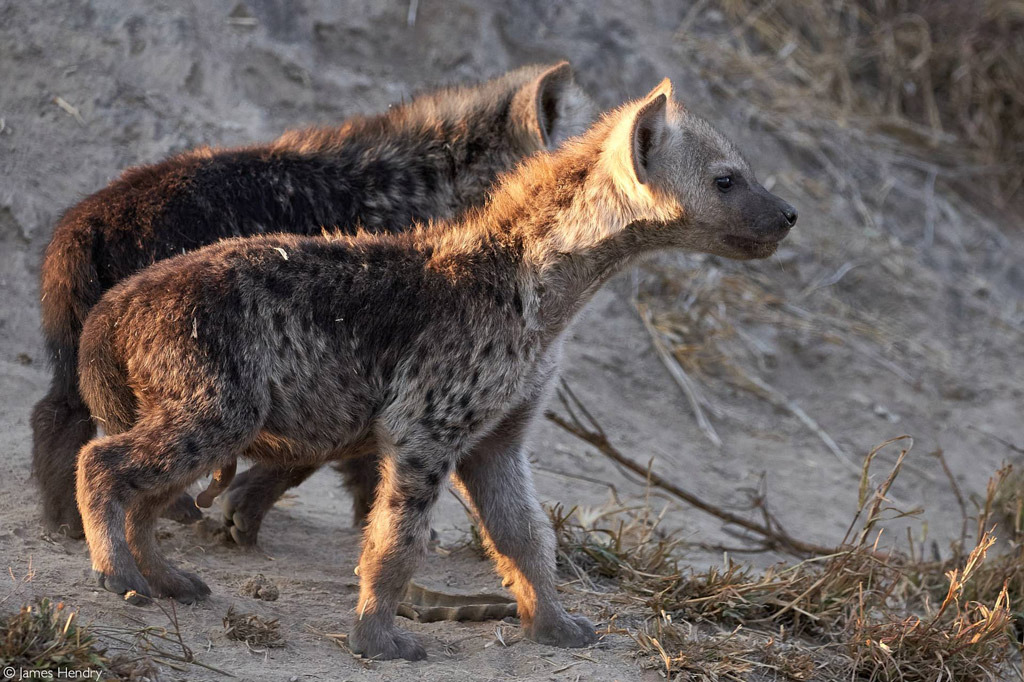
431,158
434,347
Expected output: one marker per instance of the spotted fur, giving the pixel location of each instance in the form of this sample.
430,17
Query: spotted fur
437,346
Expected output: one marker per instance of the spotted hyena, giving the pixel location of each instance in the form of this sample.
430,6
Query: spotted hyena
435,347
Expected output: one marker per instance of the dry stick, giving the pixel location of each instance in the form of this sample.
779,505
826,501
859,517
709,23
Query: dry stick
596,437
941,456
680,377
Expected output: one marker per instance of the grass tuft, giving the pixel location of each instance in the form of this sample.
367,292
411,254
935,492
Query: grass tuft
46,636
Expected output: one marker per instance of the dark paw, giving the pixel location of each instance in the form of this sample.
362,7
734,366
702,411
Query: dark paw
64,518
179,585
242,523
183,510
384,644
565,631
133,588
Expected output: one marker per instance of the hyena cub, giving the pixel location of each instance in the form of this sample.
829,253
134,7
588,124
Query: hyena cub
437,346
431,158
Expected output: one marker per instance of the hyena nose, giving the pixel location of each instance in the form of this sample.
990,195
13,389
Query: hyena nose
790,214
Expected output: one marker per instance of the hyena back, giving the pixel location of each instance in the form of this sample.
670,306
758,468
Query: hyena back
431,158
437,345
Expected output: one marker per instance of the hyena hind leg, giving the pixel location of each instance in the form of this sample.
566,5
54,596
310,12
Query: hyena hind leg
125,480
394,542
165,579
102,501
61,425
496,478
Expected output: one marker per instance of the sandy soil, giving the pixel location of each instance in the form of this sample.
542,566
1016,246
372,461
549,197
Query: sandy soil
163,77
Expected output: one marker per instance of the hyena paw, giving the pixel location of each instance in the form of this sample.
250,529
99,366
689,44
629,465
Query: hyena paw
563,630
180,585
63,517
129,584
183,510
385,643
242,522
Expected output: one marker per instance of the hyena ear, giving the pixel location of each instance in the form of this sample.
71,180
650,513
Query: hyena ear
551,106
648,130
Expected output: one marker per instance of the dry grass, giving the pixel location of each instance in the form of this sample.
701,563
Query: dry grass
709,323
857,613
46,636
255,631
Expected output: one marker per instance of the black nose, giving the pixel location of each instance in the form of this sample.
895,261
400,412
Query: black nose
790,213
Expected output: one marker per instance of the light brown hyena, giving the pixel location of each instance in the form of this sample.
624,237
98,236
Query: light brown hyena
430,158
437,346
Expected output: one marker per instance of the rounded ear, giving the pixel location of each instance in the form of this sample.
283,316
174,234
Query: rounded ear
541,104
551,88
648,131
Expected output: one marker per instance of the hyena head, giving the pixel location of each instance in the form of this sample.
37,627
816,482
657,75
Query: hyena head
491,127
686,185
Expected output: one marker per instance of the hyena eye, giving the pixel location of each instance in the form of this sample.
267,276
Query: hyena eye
724,183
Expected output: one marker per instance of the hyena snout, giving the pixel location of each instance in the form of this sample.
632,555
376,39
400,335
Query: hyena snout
775,217
759,225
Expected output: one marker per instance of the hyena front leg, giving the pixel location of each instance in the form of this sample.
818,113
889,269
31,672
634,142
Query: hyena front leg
183,510
254,492
496,478
394,542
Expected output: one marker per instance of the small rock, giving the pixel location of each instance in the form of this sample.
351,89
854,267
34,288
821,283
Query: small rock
883,412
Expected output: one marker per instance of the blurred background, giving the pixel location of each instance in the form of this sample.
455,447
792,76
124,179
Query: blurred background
896,306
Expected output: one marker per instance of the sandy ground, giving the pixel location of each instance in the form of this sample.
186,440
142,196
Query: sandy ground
164,76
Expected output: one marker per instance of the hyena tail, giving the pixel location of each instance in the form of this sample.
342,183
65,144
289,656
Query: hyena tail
61,423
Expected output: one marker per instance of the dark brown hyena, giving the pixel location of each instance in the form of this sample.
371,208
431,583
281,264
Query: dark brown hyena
436,345
431,158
